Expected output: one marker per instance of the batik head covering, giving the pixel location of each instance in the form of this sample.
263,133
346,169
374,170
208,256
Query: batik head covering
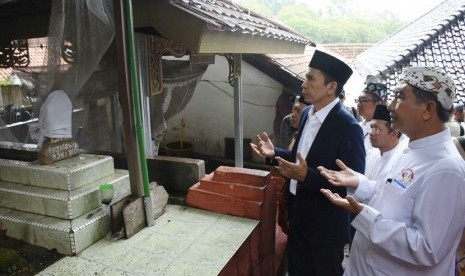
431,80
376,88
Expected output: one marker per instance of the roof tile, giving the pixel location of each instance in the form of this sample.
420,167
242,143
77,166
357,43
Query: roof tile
232,17
435,39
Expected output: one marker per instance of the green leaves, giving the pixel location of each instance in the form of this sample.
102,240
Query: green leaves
335,24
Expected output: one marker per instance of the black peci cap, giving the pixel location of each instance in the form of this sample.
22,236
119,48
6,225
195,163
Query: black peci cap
382,113
331,65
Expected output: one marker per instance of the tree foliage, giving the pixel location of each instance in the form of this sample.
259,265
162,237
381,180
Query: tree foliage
335,24
266,7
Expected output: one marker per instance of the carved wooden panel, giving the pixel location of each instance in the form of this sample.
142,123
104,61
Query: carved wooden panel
158,47
14,54
234,62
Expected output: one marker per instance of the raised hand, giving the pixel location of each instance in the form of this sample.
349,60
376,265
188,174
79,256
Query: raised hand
263,147
297,171
345,177
349,203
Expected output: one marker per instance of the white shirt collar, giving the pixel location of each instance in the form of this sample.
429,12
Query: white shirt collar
323,113
434,139
389,152
366,123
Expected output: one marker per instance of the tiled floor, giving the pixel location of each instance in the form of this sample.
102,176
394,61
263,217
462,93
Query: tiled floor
183,241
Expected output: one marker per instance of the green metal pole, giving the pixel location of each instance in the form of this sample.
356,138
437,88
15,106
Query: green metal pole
135,89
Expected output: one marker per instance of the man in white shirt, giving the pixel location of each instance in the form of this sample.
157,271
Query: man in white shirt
385,141
414,222
456,125
373,94
458,114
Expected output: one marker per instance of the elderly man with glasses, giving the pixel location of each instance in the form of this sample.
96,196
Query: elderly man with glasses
373,94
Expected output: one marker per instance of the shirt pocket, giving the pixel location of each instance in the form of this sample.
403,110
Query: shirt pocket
392,190
401,194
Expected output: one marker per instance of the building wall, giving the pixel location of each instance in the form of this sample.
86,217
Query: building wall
209,116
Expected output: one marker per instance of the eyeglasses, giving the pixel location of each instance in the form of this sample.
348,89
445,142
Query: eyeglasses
376,131
363,100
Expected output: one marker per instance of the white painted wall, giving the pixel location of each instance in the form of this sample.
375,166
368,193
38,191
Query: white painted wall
209,116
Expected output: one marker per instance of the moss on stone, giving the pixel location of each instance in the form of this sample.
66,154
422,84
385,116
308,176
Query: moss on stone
12,264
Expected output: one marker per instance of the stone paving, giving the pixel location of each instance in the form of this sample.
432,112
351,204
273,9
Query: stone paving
183,241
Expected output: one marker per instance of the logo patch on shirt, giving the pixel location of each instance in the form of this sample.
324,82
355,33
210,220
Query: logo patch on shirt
407,175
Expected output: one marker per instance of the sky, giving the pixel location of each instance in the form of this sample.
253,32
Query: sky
407,10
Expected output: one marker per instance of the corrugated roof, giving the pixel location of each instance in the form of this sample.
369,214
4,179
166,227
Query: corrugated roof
348,50
297,66
224,15
435,39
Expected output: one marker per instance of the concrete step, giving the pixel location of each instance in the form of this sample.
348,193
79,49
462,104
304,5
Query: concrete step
68,175
222,203
59,203
250,177
225,191
68,237
236,190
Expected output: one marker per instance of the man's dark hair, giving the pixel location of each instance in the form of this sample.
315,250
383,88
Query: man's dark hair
425,96
459,108
390,129
329,78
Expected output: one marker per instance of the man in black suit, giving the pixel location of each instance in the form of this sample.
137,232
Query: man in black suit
318,231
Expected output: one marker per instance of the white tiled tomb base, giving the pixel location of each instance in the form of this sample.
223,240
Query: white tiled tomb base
68,174
60,203
183,241
69,237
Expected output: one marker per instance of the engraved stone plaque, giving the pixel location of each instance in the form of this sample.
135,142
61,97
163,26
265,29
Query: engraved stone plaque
54,150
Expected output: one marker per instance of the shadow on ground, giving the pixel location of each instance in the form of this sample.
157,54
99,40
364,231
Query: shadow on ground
21,258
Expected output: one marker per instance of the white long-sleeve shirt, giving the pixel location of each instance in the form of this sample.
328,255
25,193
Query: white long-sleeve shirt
377,167
412,226
376,162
